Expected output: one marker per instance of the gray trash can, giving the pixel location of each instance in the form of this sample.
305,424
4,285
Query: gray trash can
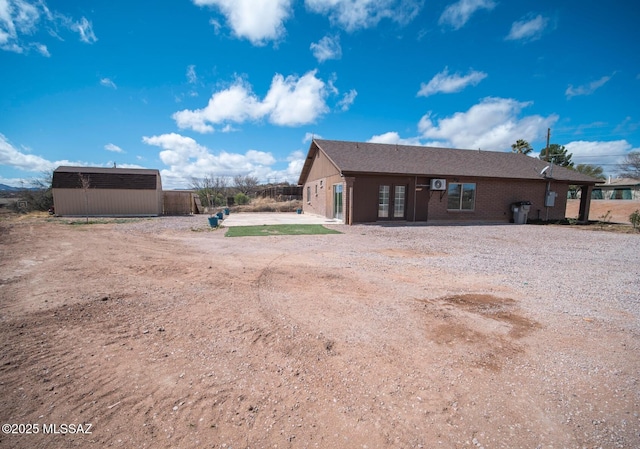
520,211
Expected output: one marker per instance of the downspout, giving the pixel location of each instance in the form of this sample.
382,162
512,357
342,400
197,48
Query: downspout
415,194
546,208
547,193
350,218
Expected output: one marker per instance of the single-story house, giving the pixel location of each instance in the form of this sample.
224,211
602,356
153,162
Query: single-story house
617,189
360,182
115,192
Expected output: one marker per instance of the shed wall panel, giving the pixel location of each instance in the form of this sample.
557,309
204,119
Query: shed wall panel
111,202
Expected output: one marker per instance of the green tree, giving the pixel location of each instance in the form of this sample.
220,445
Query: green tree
557,154
592,170
630,166
521,146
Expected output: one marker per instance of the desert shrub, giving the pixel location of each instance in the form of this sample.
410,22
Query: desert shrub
604,219
269,205
634,218
241,199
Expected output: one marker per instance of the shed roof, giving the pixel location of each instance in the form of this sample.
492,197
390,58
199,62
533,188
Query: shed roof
379,158
119,171
67,177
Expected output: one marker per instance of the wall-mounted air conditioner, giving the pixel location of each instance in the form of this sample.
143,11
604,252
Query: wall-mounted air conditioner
438,184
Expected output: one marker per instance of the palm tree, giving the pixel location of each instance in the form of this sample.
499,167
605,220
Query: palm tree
521,146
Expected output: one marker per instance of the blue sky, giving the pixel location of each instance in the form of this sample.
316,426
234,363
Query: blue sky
227,87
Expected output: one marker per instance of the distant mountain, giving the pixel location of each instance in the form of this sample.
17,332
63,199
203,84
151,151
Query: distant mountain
9,188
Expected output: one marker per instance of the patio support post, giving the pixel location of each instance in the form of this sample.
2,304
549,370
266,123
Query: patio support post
348,209
585,203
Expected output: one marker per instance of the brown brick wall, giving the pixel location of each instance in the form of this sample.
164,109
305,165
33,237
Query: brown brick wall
492,203
494,198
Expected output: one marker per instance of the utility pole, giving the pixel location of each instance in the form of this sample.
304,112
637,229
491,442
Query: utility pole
546,157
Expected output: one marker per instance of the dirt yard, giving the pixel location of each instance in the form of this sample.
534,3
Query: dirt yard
163,334
619,209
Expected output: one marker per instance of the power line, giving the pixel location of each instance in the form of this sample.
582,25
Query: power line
599,155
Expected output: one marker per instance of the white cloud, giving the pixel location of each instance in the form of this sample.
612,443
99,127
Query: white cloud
106,82
457,14
192,78
586,89
22,160
42,49
327,48
295,101
347,100
291,173
393,137
258,21
599,153
445,83
528,30
186,158
492,124
85,29
356,14
12,157
628,125
308,137
291,101
21,20
294,168
114,148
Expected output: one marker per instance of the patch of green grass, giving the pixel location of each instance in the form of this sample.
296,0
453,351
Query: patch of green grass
290,229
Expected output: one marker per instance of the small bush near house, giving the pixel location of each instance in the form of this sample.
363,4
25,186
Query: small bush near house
634,218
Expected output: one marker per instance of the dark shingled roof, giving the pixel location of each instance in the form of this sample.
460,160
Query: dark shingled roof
379,158
65,177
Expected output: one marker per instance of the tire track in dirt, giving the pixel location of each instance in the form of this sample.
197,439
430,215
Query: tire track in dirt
353,392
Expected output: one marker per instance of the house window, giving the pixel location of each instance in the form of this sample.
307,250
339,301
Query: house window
398,201
383,202
621,193
308,194
461,196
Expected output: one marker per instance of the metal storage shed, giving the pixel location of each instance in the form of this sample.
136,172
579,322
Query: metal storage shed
114,192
